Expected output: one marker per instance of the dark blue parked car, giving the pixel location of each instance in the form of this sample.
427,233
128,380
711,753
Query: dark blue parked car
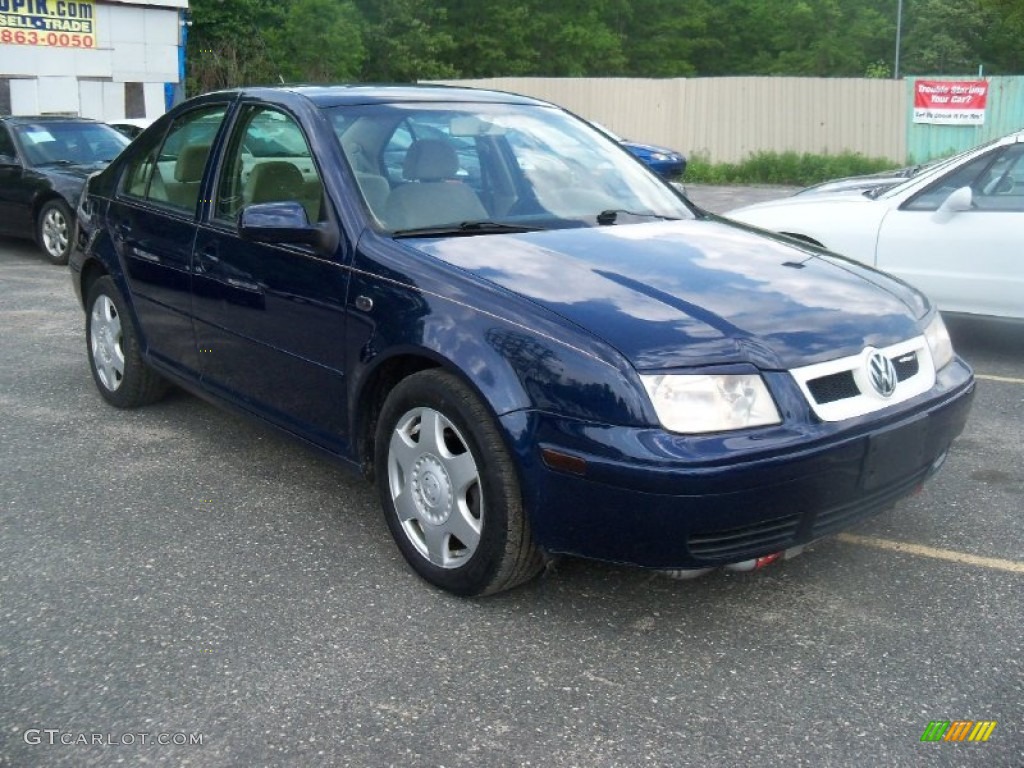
533,344
662,160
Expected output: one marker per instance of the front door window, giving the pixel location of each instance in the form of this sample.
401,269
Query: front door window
268,161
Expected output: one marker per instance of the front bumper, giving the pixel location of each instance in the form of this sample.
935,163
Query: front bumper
650,498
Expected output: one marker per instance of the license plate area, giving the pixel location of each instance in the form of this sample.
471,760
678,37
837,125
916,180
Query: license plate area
894,453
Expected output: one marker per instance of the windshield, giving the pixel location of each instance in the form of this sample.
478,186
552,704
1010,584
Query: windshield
930,169
432,168
53,142
607,130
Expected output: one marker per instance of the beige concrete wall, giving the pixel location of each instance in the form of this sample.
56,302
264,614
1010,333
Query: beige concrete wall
728,118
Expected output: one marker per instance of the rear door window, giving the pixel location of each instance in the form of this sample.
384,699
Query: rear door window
171,175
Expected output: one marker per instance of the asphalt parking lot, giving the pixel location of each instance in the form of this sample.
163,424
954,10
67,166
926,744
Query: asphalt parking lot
177,574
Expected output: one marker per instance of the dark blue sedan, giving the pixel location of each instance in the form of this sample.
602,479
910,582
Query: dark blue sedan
529,342
663,161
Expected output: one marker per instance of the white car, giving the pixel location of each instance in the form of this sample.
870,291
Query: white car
863,183
955,230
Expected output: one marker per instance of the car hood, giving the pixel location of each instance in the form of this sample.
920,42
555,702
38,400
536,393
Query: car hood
851,186
68,180
863,182
77,172
703,292
824,199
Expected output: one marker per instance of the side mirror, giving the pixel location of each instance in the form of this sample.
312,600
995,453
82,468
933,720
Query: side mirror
9,161
283,222
958,201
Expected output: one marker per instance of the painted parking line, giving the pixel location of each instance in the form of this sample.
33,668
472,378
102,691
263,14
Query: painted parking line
995,563
1004,379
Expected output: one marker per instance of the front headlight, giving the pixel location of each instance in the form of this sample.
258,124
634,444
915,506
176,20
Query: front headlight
659,156
693,404
939,342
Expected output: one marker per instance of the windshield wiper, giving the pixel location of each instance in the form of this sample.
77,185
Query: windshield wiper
465,228
56,162
608,217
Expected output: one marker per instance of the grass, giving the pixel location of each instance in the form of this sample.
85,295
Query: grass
783,168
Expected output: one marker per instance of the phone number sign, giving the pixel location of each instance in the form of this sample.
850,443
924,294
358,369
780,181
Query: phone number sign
53,23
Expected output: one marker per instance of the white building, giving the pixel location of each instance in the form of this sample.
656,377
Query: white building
105,59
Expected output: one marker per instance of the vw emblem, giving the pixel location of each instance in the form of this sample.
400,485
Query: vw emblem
881,374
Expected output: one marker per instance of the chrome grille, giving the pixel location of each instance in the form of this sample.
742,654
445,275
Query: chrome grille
842,389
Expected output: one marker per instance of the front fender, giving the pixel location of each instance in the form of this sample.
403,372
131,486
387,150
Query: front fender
96,259
68,189
516,354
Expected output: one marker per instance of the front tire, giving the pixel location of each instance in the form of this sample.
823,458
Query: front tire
120,373
449,489
54,227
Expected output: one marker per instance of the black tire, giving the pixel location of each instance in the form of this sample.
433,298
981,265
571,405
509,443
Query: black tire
112,341
432,482
55,230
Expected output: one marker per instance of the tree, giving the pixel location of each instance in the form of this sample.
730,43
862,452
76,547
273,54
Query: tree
574,38
501,42
319,41
662,38
1001,49
406,41
235,42
945,36
820,38
227,47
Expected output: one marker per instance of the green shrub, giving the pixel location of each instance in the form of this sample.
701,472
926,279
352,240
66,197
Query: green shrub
783,168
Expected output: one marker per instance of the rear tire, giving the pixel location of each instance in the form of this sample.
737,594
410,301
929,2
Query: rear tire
450,490
121,375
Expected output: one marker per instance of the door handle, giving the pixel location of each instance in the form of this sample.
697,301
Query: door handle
210,265
206,260
244,285
145,255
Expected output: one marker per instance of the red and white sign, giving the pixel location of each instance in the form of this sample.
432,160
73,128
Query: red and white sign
950,102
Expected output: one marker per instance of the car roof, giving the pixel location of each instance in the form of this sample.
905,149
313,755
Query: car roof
27,119
360,93
142,122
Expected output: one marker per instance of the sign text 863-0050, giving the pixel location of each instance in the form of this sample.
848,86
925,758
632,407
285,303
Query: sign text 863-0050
56,23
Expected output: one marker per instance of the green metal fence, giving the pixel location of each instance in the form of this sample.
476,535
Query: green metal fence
1004,114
